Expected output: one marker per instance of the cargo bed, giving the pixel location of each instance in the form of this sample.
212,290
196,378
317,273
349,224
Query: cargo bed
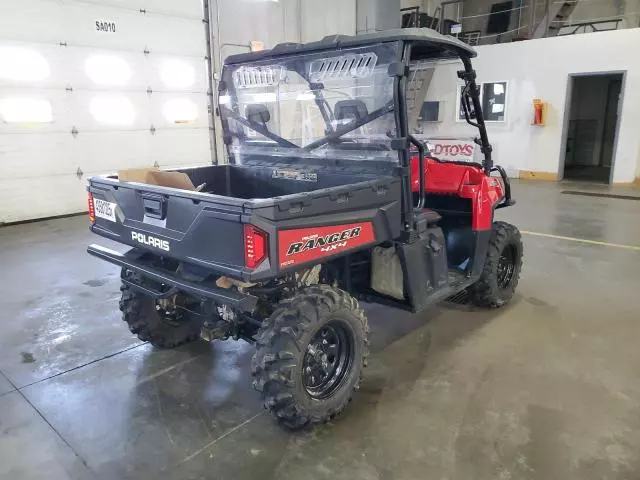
207,229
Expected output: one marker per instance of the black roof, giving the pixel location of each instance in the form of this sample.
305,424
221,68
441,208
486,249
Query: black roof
424,37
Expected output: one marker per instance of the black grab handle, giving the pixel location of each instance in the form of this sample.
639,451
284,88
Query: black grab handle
421,195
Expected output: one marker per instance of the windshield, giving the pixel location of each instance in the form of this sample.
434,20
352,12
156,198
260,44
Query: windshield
335,104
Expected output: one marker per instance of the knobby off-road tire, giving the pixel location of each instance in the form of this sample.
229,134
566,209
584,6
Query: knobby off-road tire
502,266
139,312
289,364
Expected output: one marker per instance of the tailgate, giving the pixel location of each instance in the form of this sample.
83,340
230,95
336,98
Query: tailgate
196,227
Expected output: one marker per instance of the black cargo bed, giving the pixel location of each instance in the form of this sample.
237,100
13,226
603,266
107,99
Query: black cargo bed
205,228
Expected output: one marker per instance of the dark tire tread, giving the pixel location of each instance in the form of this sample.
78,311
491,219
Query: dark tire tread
485,293
138,311
279,349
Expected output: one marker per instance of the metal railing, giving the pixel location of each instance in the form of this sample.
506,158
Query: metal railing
532,19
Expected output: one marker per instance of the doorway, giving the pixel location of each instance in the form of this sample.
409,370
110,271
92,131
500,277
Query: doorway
592,126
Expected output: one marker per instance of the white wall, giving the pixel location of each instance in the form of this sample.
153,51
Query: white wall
541,68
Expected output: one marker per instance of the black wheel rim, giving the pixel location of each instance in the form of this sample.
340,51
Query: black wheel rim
328,359
506,266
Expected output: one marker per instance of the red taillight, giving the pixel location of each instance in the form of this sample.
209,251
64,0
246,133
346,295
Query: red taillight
255,246
92,209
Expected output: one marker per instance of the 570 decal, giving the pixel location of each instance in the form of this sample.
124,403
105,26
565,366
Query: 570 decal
307,244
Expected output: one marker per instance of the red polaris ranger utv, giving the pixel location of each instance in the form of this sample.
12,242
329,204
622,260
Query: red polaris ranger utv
327,197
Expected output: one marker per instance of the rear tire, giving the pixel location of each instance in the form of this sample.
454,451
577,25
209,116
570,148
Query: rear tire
310,355
140,313
502,266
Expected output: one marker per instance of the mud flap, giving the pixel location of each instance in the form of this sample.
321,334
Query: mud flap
386,272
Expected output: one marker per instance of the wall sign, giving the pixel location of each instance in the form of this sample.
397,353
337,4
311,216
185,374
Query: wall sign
105,26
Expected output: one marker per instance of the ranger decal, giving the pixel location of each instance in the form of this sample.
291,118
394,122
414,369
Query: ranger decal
307,244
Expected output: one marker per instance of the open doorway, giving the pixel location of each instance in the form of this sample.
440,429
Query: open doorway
592,127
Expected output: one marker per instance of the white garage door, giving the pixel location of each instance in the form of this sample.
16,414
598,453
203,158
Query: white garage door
89,87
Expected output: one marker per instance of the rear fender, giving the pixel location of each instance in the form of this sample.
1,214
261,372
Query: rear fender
465,181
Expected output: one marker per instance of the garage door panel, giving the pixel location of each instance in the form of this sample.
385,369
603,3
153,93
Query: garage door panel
172,73
75,24
58,102
101,153
90,100
184,8
105,111
167,147
79,68
25,156
178,111
102,69
55,196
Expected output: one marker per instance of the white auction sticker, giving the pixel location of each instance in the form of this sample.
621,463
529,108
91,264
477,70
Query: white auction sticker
104,209
452,150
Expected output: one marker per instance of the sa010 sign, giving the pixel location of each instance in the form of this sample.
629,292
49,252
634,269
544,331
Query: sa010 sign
105,26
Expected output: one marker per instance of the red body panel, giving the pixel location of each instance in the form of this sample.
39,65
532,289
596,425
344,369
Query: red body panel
302,245
465,181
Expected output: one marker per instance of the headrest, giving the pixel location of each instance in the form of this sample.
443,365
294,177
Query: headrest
257,113
350,109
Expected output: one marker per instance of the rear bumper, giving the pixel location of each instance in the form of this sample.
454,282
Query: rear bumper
133,262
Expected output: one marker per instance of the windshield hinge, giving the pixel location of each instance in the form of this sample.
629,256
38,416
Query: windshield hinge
398,69
400,143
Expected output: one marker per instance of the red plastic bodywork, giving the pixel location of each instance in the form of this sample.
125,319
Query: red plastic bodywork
465,181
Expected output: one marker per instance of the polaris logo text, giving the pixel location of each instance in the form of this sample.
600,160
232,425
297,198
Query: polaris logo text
326,243
151,241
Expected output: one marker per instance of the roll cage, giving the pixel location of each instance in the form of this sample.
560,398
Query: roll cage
414,45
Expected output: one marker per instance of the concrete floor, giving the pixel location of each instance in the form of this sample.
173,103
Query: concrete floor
548,388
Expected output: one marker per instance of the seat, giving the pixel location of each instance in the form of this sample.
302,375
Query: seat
431,216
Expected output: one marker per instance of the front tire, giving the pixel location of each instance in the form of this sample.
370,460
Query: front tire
140,312
310,355
502,266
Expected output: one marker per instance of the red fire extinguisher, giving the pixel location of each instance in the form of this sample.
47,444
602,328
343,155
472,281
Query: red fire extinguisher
538,112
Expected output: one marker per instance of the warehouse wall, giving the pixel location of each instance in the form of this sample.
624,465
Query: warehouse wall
541,68
88,88
241,21
235,23
377,15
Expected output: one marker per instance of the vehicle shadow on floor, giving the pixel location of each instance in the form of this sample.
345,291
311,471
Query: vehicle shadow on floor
196,402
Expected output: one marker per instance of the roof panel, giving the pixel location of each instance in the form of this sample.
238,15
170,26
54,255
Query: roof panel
423,36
